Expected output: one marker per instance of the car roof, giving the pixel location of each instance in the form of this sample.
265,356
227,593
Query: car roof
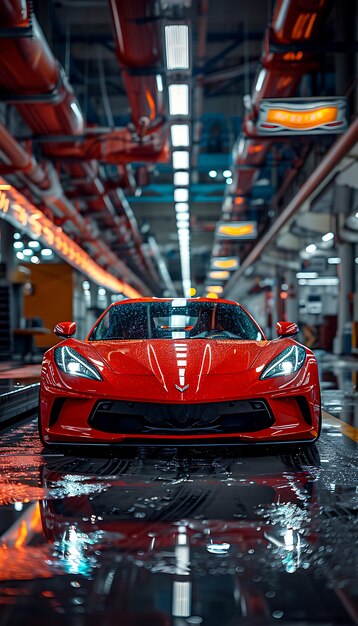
211,300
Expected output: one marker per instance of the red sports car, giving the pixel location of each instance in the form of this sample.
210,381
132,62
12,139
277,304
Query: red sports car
194,371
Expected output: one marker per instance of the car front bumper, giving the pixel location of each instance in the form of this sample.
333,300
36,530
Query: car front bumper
277,416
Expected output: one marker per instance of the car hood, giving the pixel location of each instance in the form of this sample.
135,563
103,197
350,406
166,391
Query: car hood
182,360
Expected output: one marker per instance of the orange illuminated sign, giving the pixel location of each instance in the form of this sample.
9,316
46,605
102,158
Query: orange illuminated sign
301,116
302,119
16,209
219,275
225,263
216,289
237,230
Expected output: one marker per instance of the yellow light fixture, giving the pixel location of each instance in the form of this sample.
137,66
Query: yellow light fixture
237,230
216,288
212,295
219,275
192,291
229,263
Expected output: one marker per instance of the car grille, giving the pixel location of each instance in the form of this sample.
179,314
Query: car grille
182,419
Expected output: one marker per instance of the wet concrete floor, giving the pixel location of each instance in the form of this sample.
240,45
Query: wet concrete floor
162,537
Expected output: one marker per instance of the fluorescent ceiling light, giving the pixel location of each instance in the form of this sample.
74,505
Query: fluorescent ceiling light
181,179
179,99
159,80
46,252
180,160
181,195
323,281
182,207
328,237
213,173
307,275
34,244
227,173
177,46
180,134
334,260
311,248
260,79
229,180
183,217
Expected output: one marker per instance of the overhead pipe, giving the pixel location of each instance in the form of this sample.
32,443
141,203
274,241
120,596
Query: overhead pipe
338,151
31,76
139,51
40,91
116,147
278,76
46,187
203,10
18,160
114,209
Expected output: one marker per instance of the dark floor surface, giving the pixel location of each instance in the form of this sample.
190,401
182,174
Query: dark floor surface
161,537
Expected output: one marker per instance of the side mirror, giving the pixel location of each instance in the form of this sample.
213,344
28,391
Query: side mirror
65,329
286,329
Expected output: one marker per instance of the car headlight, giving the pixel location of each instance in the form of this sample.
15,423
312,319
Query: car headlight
288,362
71,362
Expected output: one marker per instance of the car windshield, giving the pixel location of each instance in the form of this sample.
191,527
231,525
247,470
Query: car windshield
176,319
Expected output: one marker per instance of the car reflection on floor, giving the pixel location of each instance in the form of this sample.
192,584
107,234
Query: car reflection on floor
184,537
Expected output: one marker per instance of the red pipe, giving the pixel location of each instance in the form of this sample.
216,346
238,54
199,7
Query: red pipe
51,193
30,74
298,20
138,47
338,151
20,161
279,76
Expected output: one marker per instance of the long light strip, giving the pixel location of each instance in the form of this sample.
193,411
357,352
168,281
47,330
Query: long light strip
20,212
178,99
177,58
322,281
177,46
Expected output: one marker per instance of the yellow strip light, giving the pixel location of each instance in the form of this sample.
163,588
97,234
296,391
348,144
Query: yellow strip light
236,231
302,119
225,264
16,209
219,275
216,288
